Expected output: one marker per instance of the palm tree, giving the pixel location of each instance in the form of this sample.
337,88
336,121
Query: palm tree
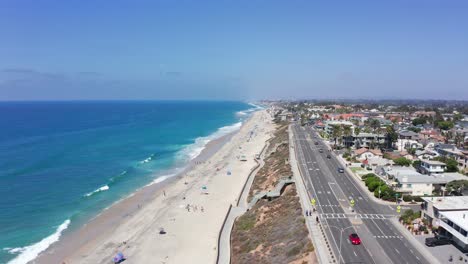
337,132
347,132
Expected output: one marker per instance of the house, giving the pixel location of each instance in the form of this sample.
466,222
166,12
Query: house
410,182
408,134
432,166
364,153
406,180
425,154
450,214
403,144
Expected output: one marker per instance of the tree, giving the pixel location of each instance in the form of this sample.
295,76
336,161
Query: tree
391,136
445,125
337,132
357,131
456,186
402,161
414,129
374,124
452,165
419,121
417,164
347,132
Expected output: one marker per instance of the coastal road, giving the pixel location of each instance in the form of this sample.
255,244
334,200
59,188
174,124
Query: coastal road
333,191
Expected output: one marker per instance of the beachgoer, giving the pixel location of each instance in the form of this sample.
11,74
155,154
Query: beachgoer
316,219
164,192
203,210
307,212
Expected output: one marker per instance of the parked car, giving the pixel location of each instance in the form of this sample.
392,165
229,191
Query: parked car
340,170
320,150
328,156
354,238
316,143
437,241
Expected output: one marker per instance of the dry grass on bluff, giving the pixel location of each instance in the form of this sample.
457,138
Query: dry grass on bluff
273,231
276,163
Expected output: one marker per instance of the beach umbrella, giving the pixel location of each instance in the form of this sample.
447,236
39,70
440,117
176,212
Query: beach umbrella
118,258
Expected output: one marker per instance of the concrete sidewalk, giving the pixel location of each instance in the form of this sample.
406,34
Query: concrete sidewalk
324,254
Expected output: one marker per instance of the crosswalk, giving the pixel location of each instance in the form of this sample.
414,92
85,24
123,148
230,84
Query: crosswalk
360,216
388,237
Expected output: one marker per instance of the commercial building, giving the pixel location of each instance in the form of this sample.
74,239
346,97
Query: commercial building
450,214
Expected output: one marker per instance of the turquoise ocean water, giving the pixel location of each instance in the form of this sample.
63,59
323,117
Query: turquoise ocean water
63,162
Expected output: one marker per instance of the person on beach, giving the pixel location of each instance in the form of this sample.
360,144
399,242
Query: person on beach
164,193
202,210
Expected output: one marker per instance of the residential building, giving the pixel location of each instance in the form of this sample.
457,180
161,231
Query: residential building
432,167
365,153
406,180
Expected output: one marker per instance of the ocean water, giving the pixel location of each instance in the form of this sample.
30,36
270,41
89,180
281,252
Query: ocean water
63,162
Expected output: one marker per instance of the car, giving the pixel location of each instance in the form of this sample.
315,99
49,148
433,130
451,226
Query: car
316,143
340,170
354,238
437,241
328,156
320,150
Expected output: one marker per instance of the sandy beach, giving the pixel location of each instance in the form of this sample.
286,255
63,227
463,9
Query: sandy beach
190,208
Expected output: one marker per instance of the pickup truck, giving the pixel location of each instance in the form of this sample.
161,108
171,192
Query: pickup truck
437,241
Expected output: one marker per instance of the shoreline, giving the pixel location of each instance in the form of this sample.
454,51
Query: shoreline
111,218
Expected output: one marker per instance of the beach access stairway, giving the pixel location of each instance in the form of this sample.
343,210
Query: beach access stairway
284,181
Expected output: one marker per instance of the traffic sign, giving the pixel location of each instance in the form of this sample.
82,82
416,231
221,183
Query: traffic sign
312,201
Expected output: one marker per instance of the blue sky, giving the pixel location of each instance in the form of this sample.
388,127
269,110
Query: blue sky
52,50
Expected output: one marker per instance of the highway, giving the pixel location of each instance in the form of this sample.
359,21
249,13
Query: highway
333,191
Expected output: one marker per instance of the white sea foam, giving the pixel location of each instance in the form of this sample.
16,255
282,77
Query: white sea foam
100,189
150,158
193,150
30,252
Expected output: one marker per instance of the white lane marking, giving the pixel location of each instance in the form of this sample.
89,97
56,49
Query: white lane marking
417,257
391,207
411,251
397,251
355,253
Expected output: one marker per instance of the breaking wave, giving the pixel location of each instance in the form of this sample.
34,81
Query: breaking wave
30,252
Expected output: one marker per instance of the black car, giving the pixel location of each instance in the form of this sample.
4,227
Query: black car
316,143
437,241
328,156
340,170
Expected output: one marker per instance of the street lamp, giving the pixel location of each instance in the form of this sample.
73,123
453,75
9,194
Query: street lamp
341,236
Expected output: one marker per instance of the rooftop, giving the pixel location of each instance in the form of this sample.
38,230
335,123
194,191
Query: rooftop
433,162
460,218
409,175
448,202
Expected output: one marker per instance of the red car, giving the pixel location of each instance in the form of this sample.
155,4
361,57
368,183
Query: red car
354,238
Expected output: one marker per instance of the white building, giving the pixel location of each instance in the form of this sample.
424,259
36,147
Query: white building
432,166
408,181
450,214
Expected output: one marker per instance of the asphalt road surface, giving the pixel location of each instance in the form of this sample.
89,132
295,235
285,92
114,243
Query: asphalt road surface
333,192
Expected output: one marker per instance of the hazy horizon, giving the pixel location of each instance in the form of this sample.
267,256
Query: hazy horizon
224,50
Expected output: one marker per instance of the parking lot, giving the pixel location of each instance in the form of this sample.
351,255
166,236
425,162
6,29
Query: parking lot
443,253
